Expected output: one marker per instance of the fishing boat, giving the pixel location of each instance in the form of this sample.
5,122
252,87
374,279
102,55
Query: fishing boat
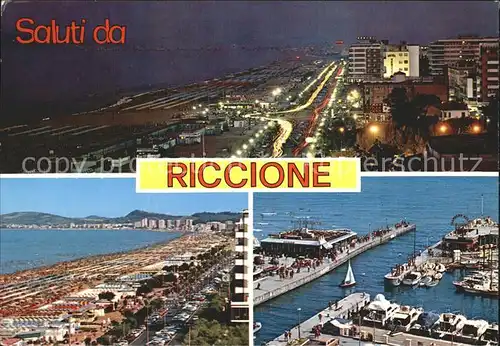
432,283
393,279
349,280
412,279
257,326
438,276
440,268
425,281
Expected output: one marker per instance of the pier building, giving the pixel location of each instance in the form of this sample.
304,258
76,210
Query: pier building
307,242
469,236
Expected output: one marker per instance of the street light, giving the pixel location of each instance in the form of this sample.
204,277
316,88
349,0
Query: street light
476,128
443,129
373,129
341,130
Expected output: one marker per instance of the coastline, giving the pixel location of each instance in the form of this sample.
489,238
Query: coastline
83,260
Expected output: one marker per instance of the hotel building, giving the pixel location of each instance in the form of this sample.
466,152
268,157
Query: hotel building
450,51
366,59
402,58
240,288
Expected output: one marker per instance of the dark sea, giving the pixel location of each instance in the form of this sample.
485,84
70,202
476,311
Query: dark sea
429,202
39,81
25,249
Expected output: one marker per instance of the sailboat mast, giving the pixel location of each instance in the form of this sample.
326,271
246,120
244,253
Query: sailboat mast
414,242
482,205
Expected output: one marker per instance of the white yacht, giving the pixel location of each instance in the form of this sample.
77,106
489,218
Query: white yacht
449,325
405,317
490,336
472,331
412,279
425,324
380,311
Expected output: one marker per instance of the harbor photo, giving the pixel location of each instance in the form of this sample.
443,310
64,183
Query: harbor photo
91,262
408,261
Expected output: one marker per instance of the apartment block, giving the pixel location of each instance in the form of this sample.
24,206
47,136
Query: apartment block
402,58
488,71
240,286
162,224
366,60
448,52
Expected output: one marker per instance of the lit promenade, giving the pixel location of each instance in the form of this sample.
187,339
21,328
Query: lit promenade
272,286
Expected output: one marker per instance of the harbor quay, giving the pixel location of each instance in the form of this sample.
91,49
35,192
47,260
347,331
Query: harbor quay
341,309
381,322
472,246
332,253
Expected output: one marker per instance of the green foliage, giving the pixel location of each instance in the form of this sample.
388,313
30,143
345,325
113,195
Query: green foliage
206,333
411,115
106,295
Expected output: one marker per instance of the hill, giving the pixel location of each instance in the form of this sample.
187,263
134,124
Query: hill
36,218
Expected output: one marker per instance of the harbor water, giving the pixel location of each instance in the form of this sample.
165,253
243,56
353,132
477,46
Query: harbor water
429,202
26,249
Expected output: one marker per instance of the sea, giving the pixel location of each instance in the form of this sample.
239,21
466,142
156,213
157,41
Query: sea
92,78
429,202
26,249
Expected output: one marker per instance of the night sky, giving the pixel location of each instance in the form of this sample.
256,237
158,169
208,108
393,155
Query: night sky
271,23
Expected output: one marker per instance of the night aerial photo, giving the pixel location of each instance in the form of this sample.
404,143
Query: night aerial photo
402,85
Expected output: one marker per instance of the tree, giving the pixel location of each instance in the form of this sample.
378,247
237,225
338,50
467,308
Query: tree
144,289
107,295
490,113
398,101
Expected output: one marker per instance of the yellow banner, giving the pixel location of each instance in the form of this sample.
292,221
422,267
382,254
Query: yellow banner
202,175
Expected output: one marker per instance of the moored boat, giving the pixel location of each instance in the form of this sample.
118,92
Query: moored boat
432,283
257,326
425,281
412,279
440,268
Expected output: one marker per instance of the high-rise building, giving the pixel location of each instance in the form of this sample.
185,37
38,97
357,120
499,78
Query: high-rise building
161,224
153,224
488,71
189,224
366,59
170,224
450,51
403,58
144,223
240,287
178,223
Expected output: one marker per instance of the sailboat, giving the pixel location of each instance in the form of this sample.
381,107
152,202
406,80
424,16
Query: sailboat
349,280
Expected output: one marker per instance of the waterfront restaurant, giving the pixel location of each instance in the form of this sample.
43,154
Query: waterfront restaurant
306,242
470,237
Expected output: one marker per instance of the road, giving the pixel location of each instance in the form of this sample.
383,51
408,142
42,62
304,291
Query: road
208,277
328,72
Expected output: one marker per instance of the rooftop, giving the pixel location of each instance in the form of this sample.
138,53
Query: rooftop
306,236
